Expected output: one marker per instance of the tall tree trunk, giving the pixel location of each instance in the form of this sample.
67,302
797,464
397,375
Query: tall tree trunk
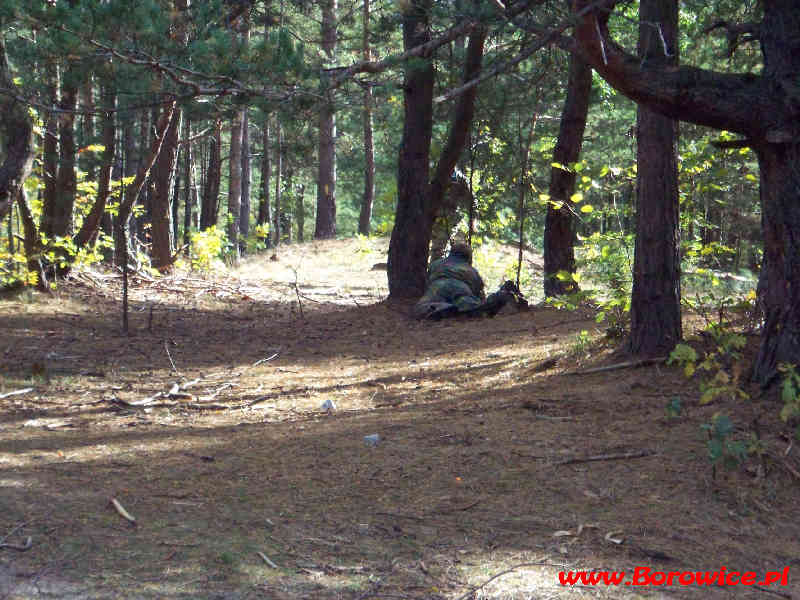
57,210
31,240
264,213
326,177
162,178
122,220
50,155
656,297
461,122
244,216
289,189
175,204
16,127
244,207
408,246
368,199
235,184
209,210
89,160
779,284
300,213
190,185
559,231
276,211
91,223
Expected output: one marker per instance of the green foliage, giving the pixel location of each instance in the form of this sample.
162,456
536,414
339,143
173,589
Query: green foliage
723,448
207,248
581,343
721,366
674,407
790,395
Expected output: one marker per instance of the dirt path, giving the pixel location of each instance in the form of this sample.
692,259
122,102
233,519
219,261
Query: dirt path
491,457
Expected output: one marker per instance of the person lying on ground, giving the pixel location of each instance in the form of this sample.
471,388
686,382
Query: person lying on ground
454,287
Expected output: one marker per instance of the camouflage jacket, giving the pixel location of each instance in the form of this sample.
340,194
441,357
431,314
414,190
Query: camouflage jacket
454,281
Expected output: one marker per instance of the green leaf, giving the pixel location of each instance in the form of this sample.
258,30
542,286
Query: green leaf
587,208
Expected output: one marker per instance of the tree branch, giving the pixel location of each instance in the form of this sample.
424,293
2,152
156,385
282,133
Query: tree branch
736,33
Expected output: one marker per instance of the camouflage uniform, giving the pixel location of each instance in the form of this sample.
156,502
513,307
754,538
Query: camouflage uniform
454,286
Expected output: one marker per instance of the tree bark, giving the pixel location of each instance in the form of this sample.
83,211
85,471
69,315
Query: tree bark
244,206
300,213
121,221
16,126
50,155
162,178
190,185
559,229
210,208
57,210
656,297
326,175
244,213
91,223
410,240
368,199
276,212
235,184
765,109
264,214
461,122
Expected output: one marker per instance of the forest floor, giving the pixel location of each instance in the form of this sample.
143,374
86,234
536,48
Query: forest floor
499,462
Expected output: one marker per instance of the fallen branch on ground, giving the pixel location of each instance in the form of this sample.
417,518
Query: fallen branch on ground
23,548
123,513
599,457
541,563
626,365
15,393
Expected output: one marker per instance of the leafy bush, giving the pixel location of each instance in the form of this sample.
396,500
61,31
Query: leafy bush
207,248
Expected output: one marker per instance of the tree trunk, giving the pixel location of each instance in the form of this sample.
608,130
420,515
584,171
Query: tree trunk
276,211
326,176
461,122
57,210
91,223
190,186
50,156
244,215
175,204
209,210
368,199
559,230
264,213
408,247
656,297
162,177
121,222
16,126
244,206
235,184
300,213
779,284
765,109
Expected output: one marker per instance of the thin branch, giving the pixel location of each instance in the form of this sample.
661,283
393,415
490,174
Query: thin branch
736,33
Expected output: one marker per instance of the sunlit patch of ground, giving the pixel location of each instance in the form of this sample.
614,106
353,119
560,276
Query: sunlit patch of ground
497,461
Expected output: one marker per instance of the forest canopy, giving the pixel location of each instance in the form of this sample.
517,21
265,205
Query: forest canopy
155,133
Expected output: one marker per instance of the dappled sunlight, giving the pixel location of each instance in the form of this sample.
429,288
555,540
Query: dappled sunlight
363,453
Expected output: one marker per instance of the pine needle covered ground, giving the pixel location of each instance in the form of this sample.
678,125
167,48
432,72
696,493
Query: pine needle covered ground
236,425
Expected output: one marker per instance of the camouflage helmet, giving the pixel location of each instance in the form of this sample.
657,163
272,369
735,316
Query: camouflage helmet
461,249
